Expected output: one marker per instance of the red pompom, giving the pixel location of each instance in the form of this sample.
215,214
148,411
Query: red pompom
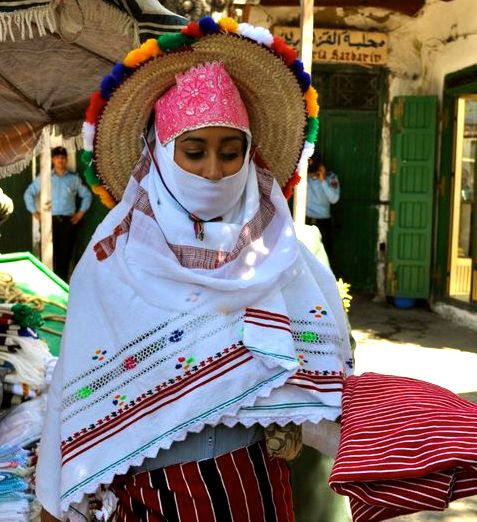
291,184
192,30
288,54
96,106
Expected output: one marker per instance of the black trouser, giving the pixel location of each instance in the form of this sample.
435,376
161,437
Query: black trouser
64,235
325,227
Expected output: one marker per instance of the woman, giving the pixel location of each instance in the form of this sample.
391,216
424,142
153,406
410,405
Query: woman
200,333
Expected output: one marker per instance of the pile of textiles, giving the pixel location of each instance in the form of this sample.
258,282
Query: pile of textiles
26,368
406,446
16,500
20,432
25,362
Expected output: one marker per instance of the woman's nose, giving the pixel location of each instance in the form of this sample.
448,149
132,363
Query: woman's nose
212,168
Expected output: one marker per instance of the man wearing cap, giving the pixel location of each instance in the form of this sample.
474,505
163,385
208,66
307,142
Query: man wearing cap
66,186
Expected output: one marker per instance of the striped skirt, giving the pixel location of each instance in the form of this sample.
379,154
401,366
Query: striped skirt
245,485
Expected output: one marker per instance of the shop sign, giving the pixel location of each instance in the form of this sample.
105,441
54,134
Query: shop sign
341,46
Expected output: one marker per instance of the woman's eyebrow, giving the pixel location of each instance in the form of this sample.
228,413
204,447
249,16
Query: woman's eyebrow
194,139
231,138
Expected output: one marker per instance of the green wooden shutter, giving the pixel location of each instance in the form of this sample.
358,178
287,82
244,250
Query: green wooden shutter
413,151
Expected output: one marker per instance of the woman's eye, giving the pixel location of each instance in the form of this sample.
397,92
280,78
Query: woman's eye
229,156
194,154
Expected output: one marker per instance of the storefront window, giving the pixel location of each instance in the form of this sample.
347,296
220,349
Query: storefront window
463,277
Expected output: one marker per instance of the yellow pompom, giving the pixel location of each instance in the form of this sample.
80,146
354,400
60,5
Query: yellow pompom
108,201
150,48
228,25
102,192
135,58
97,189
311,99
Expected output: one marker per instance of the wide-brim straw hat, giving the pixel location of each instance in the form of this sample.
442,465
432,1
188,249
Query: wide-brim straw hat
281,104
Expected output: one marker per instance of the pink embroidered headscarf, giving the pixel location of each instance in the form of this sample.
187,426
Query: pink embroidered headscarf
204,96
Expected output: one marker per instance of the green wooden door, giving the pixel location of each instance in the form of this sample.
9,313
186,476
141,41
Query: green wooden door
413,151
349,143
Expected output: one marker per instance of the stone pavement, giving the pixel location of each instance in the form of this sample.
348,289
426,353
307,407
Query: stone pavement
420,344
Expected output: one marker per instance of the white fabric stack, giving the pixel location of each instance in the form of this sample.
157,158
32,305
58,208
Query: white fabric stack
27,368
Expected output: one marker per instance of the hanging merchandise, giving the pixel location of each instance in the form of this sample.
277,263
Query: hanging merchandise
26,367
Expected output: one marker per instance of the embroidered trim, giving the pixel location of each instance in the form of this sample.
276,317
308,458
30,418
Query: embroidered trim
105,247
116,363
318,381
265,386
233,356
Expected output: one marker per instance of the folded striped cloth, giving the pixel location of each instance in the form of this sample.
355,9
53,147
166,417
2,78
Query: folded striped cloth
406,446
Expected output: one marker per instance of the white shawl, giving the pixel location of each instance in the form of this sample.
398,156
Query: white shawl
163,338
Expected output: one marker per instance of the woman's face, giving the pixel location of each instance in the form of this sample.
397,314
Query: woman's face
212,153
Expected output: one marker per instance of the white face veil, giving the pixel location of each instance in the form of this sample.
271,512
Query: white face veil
207,199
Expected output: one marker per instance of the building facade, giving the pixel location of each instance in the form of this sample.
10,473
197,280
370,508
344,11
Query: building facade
402,136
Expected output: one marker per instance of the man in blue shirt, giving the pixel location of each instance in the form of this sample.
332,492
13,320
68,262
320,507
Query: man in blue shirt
323,191
65,188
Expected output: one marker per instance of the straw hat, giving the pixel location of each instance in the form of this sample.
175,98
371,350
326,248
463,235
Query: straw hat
281,104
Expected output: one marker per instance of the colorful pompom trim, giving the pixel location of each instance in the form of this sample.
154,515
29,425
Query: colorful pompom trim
172,42
167,43
151,48
289,54
291,184
311,99
312,130
228,25
96,106
208,25
193,30
106,199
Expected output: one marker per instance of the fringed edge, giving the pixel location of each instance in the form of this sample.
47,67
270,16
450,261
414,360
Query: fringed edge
98,11
19,166
41,18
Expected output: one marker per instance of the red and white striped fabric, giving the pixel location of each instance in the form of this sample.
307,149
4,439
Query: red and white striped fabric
245,485
406,446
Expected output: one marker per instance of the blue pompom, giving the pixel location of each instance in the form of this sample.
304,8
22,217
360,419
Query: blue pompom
304,79
208,25
297,66
108,84
119,72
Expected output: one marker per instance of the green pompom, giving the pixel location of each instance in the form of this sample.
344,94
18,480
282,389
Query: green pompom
172,41
312,128
91,177
26,317
87,157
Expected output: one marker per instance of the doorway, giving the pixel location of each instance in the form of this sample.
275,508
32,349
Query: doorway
352,101
463,234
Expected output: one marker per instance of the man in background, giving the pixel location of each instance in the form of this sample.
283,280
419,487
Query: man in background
66,187
323,191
